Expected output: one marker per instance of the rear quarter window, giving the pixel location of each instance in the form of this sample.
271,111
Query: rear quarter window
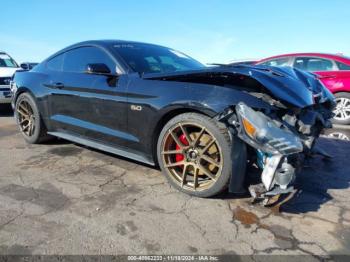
342,66
77,59
55,63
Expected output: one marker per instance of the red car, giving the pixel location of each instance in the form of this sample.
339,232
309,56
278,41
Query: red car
334,72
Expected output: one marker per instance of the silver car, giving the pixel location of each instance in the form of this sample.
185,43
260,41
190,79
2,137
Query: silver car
8,67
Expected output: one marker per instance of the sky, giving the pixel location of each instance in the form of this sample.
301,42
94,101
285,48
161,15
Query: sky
208,30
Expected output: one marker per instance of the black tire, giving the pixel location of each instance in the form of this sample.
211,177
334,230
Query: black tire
223,140
39,134
345,97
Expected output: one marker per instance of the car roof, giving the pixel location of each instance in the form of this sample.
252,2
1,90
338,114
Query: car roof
339,58
107,43
102,43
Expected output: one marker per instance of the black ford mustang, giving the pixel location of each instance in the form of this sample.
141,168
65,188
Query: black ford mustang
156,105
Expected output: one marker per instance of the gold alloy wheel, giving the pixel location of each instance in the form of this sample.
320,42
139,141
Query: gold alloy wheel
26,118
192,156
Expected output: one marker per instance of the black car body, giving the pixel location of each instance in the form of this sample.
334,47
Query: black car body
109,95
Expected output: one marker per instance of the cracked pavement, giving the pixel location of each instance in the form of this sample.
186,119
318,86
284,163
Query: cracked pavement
61,198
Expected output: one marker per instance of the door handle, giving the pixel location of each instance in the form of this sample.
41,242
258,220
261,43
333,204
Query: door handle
58,85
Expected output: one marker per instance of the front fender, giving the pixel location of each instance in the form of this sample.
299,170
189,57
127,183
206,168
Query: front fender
217,98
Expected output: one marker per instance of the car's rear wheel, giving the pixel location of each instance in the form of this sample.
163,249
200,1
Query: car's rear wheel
29,121
194,152
342,110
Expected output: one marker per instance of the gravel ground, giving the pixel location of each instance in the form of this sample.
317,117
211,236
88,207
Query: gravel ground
62,198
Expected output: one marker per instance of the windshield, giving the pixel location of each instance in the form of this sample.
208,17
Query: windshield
146,58
7,61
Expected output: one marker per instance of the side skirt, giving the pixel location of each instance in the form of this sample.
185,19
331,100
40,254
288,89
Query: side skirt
102,147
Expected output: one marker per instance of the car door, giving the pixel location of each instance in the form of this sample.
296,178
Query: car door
91,106
343,77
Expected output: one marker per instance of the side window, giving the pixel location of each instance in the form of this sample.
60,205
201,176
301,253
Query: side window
277,62
313,64
171,64
55,64
153,64
76,60
342,66
300,63
163,64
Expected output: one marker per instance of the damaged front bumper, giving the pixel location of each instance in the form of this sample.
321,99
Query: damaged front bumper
280,149
274,144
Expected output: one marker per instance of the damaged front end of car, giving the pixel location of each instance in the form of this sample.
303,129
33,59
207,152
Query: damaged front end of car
273,142
282,139
273,114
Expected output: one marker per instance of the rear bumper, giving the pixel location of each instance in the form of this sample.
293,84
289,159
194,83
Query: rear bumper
5,94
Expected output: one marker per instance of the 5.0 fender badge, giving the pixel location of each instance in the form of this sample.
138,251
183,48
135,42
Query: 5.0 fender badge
136,108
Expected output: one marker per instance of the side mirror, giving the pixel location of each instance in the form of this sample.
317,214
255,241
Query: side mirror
28,65
24,66
98,69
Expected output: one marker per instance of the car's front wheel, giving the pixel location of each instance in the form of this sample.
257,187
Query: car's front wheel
342,110
29,121
194,152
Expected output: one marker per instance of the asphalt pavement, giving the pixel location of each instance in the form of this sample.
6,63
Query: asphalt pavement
61,198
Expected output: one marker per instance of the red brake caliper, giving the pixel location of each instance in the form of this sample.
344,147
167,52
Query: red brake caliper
183,140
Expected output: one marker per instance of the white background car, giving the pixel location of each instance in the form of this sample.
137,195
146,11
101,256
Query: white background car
8,67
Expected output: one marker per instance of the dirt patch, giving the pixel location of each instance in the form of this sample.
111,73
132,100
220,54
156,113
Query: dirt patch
151,246
245,217
46,195
65,151
130,224
192,249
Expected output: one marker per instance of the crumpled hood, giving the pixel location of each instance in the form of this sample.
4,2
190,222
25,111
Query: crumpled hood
292,85
296,87
8,71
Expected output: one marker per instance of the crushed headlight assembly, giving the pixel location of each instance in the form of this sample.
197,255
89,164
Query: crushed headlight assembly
263,133
277,142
